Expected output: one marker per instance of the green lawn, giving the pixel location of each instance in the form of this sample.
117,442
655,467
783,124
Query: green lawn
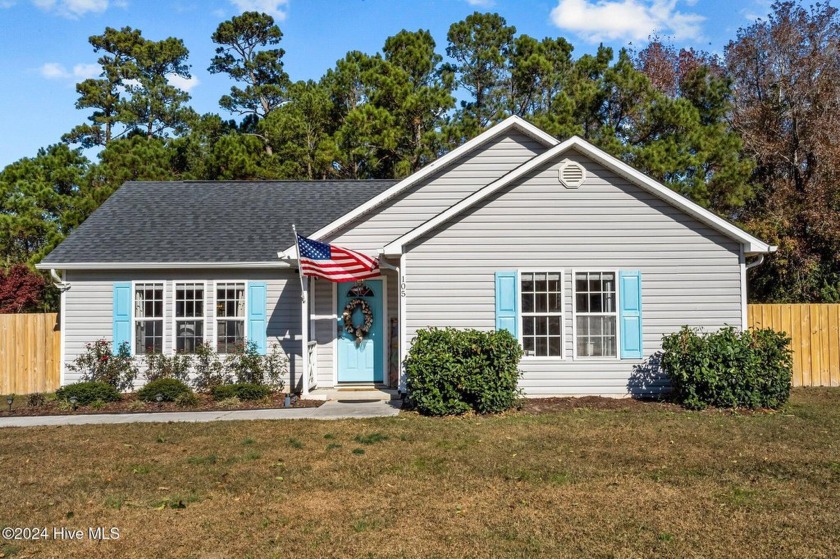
637,481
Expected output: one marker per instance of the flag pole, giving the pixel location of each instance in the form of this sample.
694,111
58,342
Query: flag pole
304,322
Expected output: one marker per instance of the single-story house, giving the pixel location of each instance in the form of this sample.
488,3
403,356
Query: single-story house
583,258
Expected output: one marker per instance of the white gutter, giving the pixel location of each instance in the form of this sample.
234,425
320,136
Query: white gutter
165,265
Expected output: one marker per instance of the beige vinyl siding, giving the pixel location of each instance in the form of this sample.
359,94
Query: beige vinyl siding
89,308
437,193
690,273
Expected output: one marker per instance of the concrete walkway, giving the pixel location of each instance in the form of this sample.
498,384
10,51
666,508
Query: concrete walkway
329,410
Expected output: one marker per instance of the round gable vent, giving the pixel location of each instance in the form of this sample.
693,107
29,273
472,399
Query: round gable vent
572,174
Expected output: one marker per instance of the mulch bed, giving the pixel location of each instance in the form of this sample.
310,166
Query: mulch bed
130,404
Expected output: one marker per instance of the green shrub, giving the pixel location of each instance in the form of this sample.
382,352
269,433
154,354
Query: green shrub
223,391
87,392
159,366
100,364
275,367
241,390
187,399
728,369
169,388
247,366
453,371
208,369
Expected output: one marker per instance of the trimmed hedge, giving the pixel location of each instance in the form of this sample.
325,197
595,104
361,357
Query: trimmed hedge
728,369
88,392
241,390
453,371
169,388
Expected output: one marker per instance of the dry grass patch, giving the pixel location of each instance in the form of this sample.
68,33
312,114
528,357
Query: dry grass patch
634,481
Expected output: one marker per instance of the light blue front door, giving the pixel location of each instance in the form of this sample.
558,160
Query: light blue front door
360,361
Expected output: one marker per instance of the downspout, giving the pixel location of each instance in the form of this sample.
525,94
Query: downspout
744,301
59,282
756,262
63,287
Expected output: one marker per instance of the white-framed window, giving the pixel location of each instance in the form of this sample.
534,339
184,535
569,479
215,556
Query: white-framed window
189,322
230,316
148,317
595,314
542,313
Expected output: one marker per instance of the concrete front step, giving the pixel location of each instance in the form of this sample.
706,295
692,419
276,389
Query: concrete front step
354,394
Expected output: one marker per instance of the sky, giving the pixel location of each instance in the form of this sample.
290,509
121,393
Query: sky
44,49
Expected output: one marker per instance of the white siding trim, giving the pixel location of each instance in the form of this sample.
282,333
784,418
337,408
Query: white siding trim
513,122
62,352
402,324
386,332
520,328
335,332
174,321
742,259
215,319
752,244
304,336
134,283
575,356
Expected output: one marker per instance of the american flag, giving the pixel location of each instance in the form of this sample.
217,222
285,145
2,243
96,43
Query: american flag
334,263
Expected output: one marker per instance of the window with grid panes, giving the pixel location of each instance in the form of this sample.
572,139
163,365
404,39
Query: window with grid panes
230,316
542,313
148,318
189,316
596,314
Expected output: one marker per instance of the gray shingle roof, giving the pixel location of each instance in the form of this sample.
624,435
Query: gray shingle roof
214,222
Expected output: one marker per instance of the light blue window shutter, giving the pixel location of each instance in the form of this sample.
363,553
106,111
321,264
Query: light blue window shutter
630,285
507,302
256,315
122,316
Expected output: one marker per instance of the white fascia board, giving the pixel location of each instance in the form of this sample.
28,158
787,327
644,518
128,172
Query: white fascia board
507,124
752,245
161,265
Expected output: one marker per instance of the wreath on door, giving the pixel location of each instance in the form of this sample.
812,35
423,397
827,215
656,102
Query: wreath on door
363,329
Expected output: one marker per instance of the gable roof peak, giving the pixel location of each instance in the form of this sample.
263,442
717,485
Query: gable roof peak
751,244
511,122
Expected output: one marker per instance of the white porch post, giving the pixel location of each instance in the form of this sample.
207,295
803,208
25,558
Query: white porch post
402,327
304,326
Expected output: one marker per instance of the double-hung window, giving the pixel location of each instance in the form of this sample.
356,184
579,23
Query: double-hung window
148,318
189,316
596,314
542,313
230,316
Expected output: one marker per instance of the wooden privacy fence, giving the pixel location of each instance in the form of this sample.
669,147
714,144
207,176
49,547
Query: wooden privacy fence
30,346
815,339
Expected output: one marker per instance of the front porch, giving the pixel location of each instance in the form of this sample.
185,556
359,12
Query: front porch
336,364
